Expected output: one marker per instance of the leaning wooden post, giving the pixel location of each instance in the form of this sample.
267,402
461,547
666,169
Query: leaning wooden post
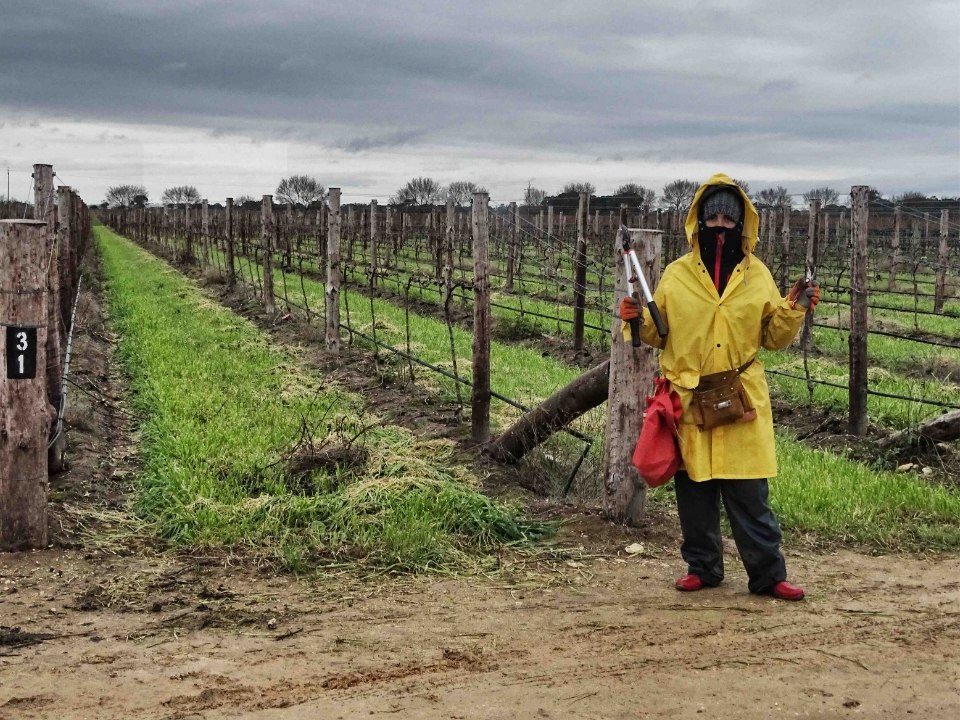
332,290
580,271
894,250
228,236
266,243
480,396
859,216
26,413
631,376
943,255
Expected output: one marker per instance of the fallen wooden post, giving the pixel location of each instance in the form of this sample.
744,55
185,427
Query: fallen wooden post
556,412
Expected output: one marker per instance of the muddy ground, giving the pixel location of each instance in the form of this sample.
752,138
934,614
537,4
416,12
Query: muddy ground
105,624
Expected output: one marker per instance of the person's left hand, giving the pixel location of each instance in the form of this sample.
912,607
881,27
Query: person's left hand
805,295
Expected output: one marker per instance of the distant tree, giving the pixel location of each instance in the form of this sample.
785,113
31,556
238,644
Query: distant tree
744,185
579,187
910,195
419,191
826,195
645,197
124,195
461,191
180,194
140,201
772,197
678,194
533,196
242,200
299,190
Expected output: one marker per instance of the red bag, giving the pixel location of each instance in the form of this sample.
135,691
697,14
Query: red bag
657,454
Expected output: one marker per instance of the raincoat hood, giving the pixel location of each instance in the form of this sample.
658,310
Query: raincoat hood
751,219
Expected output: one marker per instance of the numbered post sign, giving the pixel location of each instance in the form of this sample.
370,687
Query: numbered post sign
21,353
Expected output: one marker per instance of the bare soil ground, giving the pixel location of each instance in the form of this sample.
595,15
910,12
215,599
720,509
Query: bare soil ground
98,628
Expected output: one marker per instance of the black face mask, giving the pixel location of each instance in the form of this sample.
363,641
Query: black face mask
730,254
731,244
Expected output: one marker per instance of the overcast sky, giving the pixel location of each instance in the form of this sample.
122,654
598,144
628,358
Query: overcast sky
231,97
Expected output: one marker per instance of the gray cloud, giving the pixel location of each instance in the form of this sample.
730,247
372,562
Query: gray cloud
759,82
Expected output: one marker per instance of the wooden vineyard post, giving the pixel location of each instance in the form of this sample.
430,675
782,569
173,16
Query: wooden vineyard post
580,271
480,396
894,250
205,232
45,209
512,249
785,250
448,252
373,244
228,238
65,239
26,412
266,244
631,377
943,256
332,289
810,273
551,247
187,233
859,216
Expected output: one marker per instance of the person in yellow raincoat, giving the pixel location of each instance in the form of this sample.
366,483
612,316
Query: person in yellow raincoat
721,305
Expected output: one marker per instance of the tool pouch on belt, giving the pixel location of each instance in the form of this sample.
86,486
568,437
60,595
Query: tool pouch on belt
720,399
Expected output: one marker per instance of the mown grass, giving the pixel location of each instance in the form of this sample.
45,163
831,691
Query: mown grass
816,493
224,414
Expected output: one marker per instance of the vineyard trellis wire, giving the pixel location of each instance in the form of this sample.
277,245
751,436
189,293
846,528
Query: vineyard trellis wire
413,258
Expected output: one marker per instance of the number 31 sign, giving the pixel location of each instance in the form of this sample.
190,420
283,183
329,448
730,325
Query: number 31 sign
21,353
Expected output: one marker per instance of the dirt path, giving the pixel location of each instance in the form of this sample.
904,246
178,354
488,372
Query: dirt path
94,629
604,636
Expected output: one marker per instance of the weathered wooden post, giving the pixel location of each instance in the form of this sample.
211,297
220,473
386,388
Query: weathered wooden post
551,267
449,235
45,209
894,250
512,249
228,237
66,241
943,256
205,232
480,395
785,249
859,217
810,271
26,411
373,244
266,243
580,271
332,289
631,375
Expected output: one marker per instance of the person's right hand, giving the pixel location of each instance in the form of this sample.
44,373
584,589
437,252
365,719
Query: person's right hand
629,308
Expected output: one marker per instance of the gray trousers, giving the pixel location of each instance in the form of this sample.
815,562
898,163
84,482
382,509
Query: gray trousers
755,529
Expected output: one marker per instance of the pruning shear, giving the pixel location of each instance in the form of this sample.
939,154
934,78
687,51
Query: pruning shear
638,276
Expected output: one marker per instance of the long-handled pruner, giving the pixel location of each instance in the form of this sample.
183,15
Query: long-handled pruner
638,276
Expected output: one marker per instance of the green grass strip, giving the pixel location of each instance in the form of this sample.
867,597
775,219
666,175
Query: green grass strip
222,410
815,493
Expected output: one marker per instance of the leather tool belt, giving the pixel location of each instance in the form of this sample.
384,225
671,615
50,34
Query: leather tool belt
720,399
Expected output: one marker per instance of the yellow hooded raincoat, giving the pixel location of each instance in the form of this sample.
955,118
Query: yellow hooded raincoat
709,333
